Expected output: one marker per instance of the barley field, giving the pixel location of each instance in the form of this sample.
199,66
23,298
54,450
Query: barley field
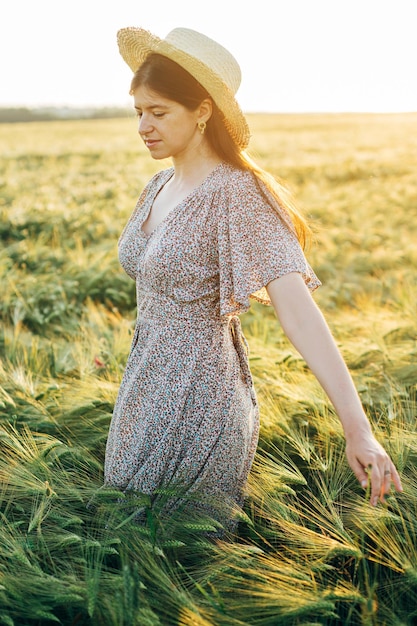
310,550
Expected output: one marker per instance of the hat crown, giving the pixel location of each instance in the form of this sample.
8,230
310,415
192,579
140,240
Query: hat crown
209,52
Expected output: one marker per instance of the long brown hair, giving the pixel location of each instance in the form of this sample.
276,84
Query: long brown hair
173,82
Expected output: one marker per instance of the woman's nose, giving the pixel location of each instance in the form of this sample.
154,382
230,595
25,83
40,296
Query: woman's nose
144,126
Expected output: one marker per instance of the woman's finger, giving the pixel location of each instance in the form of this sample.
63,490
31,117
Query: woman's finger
377,481
359,471
395,477
383,476
386,483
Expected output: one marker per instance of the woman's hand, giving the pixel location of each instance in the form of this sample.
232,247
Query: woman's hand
372,465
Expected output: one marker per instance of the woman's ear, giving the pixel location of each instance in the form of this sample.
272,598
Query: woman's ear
205,110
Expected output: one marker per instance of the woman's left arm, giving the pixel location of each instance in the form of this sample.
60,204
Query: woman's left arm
306,328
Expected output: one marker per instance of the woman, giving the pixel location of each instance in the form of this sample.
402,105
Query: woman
207,234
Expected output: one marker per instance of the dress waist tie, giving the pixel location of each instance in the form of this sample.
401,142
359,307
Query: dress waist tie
242,348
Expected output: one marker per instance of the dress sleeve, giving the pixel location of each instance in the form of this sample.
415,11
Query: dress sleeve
255,245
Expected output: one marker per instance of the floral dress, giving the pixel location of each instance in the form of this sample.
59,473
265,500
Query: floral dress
186,413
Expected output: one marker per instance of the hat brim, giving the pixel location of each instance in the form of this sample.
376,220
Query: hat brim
135,45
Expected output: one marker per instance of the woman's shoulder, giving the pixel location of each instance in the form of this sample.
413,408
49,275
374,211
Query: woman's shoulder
238,189
234,183
228,173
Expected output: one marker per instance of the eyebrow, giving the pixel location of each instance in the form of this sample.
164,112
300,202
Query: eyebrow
153,106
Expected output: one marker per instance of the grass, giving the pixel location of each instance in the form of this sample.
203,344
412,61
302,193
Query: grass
309,550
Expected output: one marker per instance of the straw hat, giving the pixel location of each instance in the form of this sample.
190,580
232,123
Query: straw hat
206,60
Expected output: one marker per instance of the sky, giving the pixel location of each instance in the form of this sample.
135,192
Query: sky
295,55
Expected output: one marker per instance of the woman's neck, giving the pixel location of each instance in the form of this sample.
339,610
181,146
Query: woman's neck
194,166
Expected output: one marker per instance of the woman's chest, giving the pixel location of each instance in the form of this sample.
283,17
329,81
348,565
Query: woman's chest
181,248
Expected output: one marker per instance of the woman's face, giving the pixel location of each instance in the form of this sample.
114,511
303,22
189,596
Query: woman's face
167,128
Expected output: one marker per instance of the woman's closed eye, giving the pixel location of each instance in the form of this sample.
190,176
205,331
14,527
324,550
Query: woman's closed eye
157,114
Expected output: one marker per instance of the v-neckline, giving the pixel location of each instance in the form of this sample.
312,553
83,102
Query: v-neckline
177,207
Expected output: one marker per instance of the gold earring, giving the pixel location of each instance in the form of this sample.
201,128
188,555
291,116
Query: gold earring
202,126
